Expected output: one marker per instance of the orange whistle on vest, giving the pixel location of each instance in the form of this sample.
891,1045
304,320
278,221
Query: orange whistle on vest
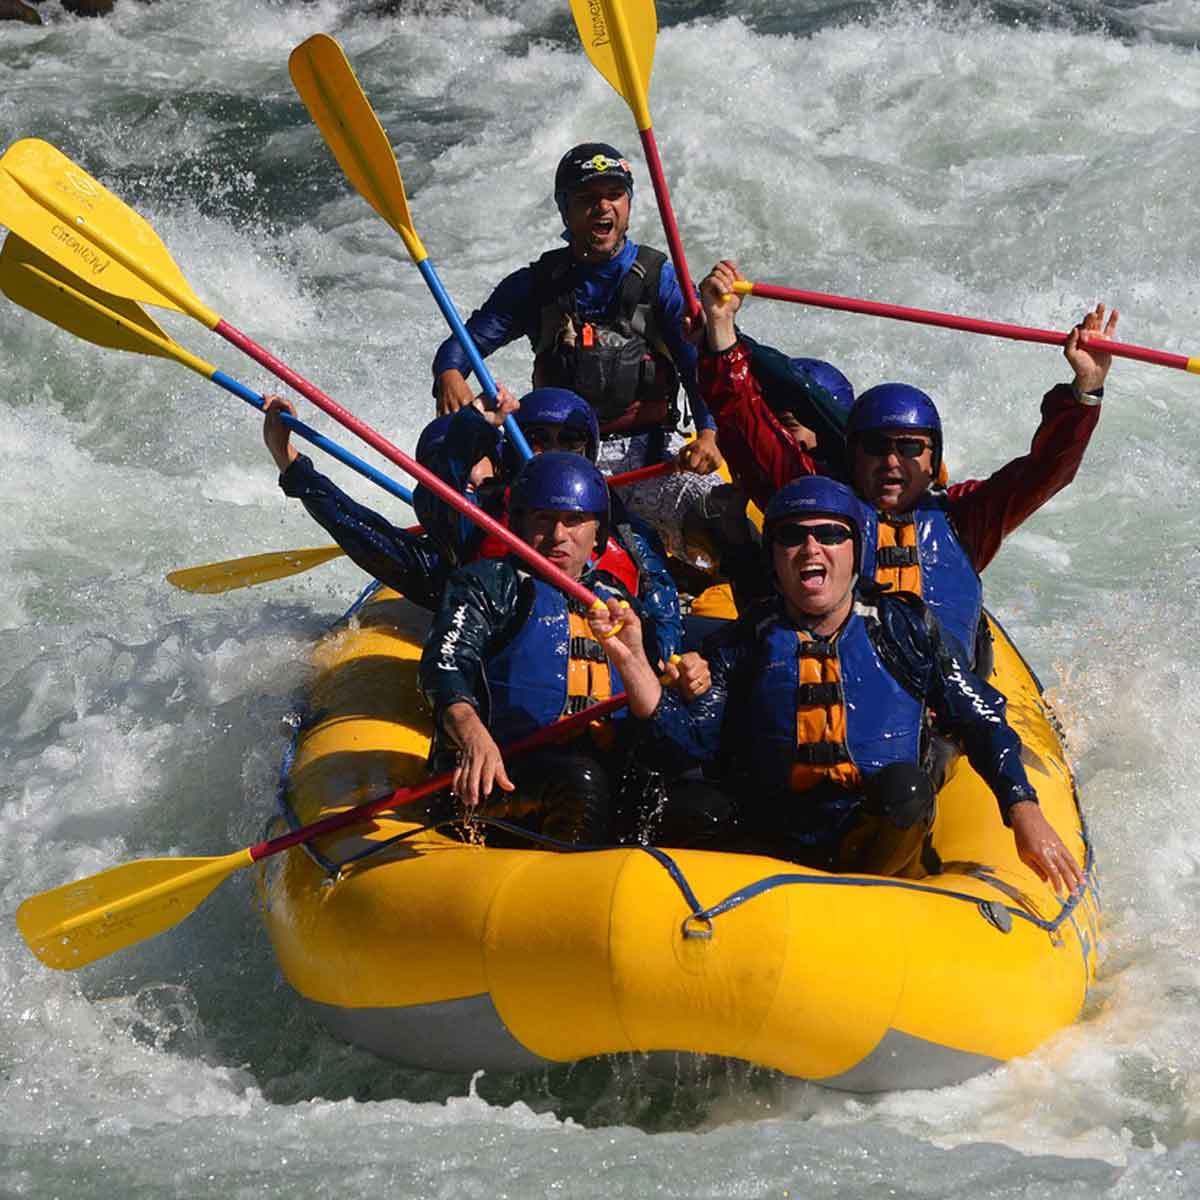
588,336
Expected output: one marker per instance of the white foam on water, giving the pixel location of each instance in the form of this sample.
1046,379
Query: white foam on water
924,155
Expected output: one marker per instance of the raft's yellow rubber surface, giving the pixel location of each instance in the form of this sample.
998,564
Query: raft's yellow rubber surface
456,956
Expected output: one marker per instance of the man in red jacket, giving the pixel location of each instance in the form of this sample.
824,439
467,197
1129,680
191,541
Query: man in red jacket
933,540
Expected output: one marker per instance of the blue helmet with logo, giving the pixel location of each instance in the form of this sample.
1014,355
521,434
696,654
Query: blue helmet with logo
820,496
826,375
581,164
559,481
897,406
560,406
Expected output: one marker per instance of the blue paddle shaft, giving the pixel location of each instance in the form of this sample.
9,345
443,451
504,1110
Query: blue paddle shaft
318,439
467,342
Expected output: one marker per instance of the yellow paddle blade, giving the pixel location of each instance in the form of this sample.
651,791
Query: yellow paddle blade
54,204
34,281
326,82
77,923
246,572
619,37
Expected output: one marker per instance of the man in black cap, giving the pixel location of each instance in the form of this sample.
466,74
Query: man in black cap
604,318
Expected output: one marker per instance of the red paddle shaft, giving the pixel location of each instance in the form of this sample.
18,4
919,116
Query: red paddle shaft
361,812
1017,333
670,227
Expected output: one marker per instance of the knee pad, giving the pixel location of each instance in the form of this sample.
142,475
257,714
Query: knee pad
902,795
575,803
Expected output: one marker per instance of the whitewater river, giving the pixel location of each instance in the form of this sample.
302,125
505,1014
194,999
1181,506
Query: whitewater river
1011,161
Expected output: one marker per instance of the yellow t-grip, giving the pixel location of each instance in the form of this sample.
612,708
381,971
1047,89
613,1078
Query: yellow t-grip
602,607
743,287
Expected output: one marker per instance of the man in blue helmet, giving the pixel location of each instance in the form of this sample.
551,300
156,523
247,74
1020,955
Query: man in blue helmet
559,419
933,540
604,318
821,702
509,653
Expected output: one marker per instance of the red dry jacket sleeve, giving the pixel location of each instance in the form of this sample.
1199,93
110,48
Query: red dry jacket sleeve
986,511
761,456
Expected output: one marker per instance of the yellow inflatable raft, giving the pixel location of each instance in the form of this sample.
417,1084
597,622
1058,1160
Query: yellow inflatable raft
452,956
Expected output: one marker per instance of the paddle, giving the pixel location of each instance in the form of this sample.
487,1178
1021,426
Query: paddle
339,107
619,36
51,202
920,316
35,282
236,573
78,923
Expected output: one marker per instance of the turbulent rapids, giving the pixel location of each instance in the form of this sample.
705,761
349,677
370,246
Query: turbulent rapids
949,161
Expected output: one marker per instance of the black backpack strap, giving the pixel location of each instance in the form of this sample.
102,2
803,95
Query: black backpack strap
552,296
550,273
640,287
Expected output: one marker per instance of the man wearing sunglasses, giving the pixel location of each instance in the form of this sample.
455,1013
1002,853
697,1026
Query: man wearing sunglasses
820,710
933,540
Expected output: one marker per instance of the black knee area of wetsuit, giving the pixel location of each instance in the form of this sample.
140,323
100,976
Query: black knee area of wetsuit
564,795
902,795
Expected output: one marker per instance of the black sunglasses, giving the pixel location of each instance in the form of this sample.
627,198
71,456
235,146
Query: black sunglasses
878,445
564,437
796,535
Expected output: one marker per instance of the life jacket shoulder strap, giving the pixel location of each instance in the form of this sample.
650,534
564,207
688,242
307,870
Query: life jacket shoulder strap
639,290
550,273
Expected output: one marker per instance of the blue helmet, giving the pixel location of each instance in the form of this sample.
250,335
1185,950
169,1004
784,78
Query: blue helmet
558,406
897,406
432,436
581,164
826,375
562,482
820,496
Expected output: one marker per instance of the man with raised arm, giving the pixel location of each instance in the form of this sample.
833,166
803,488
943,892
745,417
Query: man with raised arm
933,540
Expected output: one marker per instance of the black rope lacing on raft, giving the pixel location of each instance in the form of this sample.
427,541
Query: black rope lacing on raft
699,922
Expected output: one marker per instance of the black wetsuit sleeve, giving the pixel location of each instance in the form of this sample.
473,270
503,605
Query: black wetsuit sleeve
505,315
967,708
408,562
678,736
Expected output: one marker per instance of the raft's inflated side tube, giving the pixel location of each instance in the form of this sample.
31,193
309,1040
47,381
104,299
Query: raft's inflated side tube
458,957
